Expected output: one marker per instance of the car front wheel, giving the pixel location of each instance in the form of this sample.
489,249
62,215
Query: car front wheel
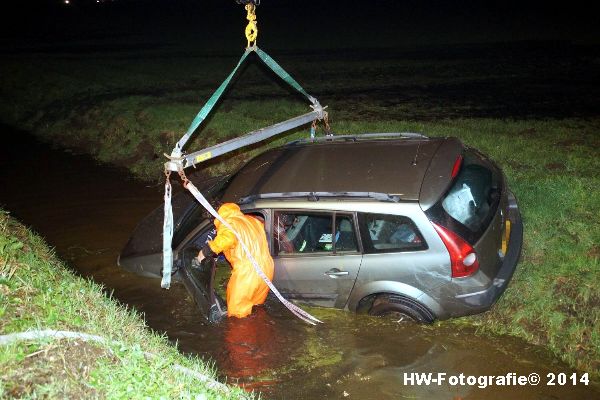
401,309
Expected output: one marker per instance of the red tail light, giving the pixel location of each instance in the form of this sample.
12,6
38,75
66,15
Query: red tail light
462,255
456,166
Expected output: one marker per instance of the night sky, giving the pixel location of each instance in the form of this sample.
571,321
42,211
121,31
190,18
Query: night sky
293,23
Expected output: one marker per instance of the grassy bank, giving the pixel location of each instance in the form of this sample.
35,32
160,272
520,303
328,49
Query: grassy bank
554,297
128,107
38,292
130,112
551,166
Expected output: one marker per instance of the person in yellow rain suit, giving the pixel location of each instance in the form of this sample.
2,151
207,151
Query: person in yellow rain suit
245,288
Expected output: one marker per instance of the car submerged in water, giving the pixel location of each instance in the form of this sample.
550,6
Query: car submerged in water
403,225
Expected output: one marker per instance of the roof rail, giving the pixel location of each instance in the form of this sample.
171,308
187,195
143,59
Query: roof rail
315,196
405,135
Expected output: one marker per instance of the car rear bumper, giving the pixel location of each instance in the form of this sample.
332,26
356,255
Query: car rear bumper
483,300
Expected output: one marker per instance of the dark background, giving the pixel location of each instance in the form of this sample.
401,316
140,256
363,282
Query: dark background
296,23
506,59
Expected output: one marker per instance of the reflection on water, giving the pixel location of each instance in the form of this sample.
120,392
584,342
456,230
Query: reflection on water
249,345
88,211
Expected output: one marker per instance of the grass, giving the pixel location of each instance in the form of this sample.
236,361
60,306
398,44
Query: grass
131,108
37,291
551,166
554,297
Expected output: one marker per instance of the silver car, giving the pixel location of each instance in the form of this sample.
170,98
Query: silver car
389,224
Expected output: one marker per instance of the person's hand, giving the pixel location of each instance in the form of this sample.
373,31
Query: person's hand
200,256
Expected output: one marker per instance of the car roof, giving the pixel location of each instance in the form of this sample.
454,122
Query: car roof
392,166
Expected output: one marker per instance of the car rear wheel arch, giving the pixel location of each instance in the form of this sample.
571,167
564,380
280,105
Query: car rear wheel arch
397,306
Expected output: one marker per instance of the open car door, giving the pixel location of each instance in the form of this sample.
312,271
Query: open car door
199,277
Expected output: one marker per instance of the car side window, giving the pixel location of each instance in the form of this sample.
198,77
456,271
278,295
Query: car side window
297,232
390,233
345,235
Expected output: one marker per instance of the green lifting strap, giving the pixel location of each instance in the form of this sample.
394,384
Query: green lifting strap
208,106
280,72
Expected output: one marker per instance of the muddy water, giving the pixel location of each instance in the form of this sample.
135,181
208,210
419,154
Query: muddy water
87,211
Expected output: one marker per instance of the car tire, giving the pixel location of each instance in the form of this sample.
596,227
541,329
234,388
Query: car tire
401,309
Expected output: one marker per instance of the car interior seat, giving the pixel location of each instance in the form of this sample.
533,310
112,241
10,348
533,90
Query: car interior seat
346,240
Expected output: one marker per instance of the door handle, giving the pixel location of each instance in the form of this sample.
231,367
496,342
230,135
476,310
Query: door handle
335,272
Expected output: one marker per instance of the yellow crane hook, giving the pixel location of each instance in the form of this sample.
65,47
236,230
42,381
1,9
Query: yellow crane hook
251,29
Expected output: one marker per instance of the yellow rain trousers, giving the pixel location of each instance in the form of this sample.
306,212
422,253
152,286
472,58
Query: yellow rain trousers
245,288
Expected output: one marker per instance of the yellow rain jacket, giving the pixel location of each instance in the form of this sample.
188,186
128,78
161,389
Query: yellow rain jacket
245,288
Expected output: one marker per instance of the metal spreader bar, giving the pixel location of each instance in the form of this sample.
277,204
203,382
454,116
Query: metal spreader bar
178,163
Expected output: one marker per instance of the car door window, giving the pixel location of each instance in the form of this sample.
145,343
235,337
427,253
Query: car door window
306,232
391,233
198,277
345,235
301,233
188,255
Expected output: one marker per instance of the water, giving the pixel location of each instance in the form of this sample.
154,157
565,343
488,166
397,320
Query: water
87,211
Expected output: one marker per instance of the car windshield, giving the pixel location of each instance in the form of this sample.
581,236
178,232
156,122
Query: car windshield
194,214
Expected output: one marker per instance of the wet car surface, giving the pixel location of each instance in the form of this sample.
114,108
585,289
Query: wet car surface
419,228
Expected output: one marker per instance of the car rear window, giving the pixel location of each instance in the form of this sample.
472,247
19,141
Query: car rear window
472,200
383,233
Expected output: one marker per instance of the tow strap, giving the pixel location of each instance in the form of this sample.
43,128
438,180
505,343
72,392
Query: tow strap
297,311
179,161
